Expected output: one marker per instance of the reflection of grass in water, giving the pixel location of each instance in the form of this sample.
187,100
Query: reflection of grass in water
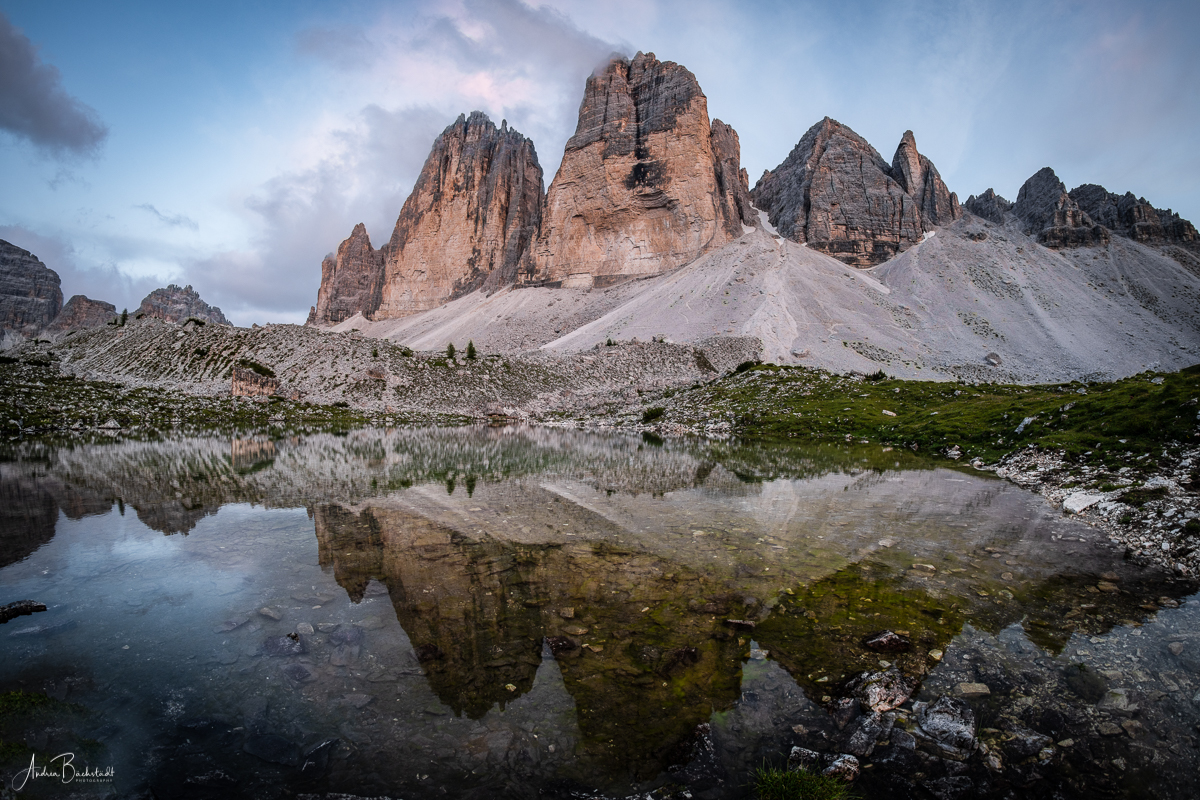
20,703
818,631
772,783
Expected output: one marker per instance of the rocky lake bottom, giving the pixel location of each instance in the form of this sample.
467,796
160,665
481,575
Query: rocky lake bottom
525,612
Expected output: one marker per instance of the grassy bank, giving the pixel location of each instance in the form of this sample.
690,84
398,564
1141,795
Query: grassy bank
1129,422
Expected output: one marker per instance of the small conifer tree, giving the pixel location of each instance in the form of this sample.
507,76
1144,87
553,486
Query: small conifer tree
124,316
450,350
471,350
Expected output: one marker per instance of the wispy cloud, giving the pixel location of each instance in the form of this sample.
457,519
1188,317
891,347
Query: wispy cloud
34,105
173,220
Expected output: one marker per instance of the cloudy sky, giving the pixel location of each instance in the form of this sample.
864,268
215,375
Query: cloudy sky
232,145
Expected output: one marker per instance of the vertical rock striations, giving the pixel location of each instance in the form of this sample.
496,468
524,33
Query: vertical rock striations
989,205
351,281
30,292
1049,214
646,184
82,312
468,222
1134,217
174,304
836,193
917,175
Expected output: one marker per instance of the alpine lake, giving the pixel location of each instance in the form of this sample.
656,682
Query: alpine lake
522,612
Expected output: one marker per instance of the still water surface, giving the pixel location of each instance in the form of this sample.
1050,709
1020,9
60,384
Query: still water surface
521,612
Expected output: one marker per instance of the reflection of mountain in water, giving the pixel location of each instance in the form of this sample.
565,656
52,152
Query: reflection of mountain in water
29,508
641,627
173,484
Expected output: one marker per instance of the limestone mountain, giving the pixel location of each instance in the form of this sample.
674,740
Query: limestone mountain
351,280
646,184
30,292
988,205
1052,216
1134,217
837,194
82,312
467,224
175,304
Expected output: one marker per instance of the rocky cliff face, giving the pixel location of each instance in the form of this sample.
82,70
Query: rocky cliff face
989,205
175,304
30,293
1133,217
836,193
82,312
467,224
1052,216
351,281
646,184
917,175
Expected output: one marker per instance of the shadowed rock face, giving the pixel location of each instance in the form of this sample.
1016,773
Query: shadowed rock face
175,304
30,296
82,312
351,281
468,222
646,184
1134,217
989,205
1052,216
836,193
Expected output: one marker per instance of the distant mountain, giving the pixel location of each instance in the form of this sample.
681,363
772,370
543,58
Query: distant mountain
175,304
30,292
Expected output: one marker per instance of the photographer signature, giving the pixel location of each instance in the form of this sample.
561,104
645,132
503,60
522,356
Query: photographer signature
66,772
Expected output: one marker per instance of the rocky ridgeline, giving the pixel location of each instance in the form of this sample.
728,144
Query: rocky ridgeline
370,374
1087,216
30,293
175,304
837,194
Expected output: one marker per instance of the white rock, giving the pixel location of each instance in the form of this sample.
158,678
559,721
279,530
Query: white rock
1080,500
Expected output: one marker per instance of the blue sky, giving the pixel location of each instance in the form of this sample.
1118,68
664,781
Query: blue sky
232,145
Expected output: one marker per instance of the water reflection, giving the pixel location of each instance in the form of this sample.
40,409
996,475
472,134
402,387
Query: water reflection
568,612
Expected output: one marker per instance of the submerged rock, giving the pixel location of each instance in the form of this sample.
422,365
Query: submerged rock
283,646
947,725
882,691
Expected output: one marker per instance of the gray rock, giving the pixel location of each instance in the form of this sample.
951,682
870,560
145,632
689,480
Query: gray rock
1134,217
989,205
801,758
1118,701
30,293
867,731
297,672
844,767
175,304
1022,743
80,313
888,642
948,724
1085,682
882,691
1050,215
919,177
19,609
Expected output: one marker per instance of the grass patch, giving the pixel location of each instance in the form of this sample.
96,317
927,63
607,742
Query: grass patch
1139,497
19,703
651,414
1109,422
254,366
772,783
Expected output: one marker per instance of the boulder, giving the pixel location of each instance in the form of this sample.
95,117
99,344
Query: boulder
646,183
1049,214
30,292
882,691
947,726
